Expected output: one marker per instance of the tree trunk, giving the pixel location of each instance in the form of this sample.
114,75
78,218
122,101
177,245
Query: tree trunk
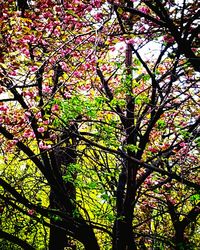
123,236
64,155
58,238
86,236
180,242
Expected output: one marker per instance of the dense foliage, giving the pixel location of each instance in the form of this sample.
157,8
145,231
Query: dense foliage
99,124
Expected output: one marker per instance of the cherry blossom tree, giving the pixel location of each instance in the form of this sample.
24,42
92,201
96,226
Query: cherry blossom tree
99,124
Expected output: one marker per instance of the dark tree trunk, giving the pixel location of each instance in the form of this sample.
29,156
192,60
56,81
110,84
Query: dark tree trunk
63,156
126,190
88,238
58,237
180,241
123,236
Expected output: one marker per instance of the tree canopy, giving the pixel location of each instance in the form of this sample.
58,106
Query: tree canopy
99,124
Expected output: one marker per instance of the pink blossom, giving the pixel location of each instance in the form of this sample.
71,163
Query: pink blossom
13,73
63,66
144,9
78,25
194,49
96,3
84,87
67,95
53,137
55,107
33,68
86,66
43,146
182,144
25,51
41,129
152,149
31,212
130,41
47,14
77,74
38,115
46,122
3,107
56,32
28,93
15,141
89,8
148,181
113,48
98,16
58,9
44,42
47,89
29,134
168,39
104,67
29,38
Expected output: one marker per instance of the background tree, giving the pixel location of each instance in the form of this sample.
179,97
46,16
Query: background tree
99,125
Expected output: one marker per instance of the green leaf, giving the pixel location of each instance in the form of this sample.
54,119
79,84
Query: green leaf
56,218
132,148
161,124
92,185
195,197
105,197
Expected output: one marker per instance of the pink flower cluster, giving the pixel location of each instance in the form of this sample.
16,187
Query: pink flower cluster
28,133
41,129
31,212
144,9
168,39
55,107
42,145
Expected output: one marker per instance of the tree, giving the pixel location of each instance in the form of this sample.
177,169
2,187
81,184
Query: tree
100,124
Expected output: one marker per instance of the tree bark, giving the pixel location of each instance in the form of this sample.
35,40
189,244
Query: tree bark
63,156
180,242
58,235
123,236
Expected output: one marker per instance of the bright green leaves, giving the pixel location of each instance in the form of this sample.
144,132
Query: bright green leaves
161,124
132,148
127,84
197,141
108,133
185,134
71,170
71,108
195,197
92,185
139,100
79,105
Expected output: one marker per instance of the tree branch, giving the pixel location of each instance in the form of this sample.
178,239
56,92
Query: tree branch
16,240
